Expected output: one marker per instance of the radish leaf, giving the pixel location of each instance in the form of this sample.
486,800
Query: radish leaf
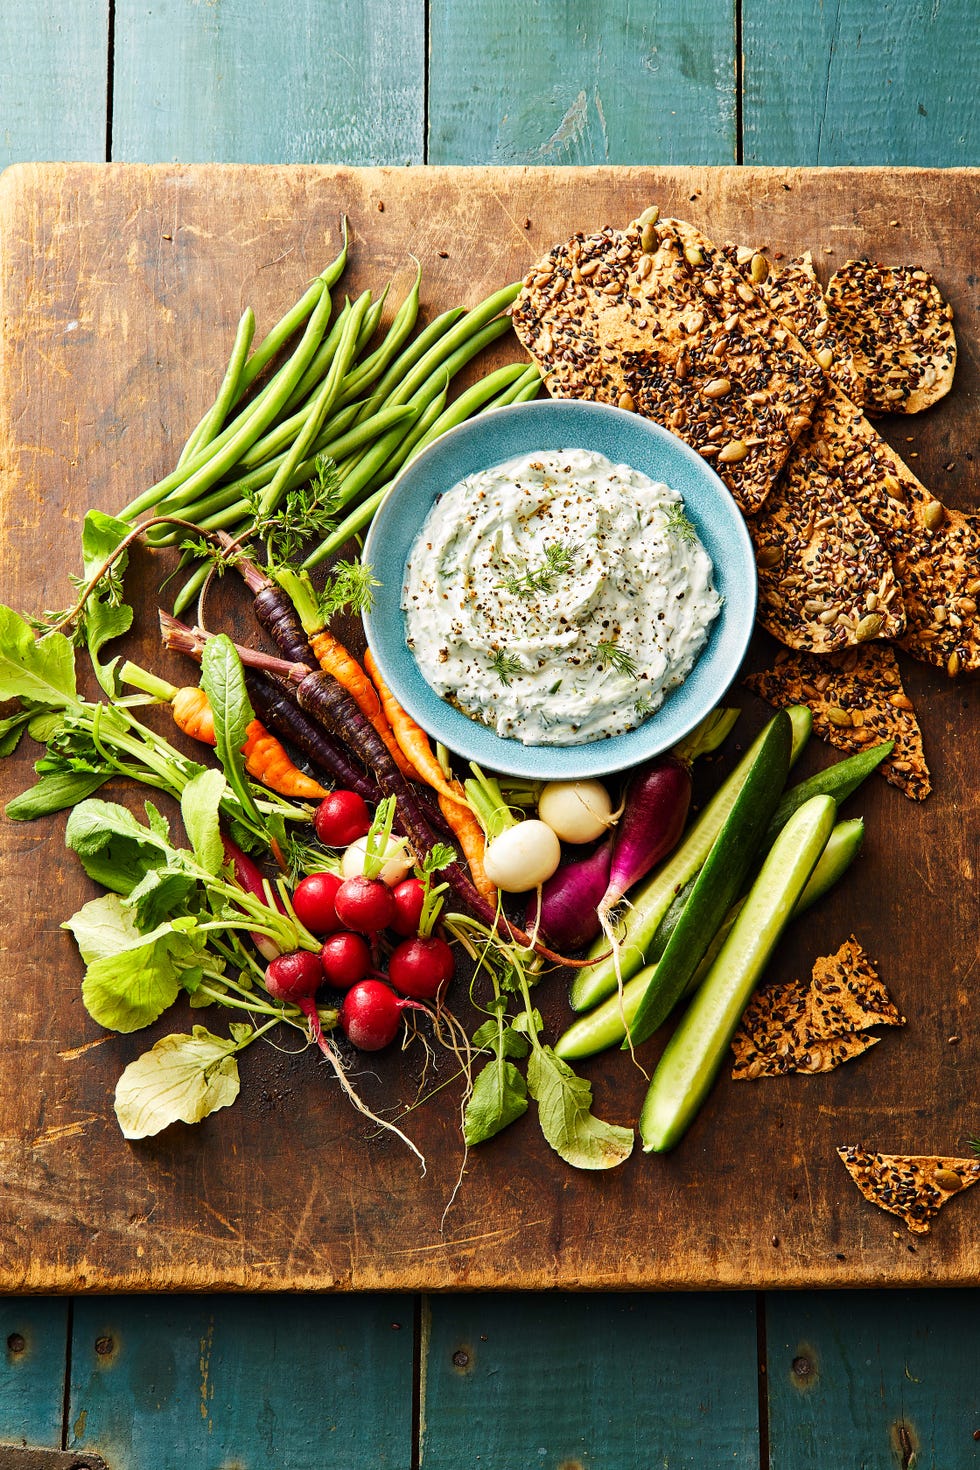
39,669
567,1122
199,807
499,1097
106,615
131,987
223,681
180,1079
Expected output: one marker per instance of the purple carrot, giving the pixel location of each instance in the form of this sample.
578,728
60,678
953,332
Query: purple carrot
275,706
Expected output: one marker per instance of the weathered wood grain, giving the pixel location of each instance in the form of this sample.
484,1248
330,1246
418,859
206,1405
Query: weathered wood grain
861,83
250,82
308,1385
885,1378
557,83
54,62
589,1380
120,289
33,1361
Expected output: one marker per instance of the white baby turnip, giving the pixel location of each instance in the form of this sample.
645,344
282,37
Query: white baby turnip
522,857
577,811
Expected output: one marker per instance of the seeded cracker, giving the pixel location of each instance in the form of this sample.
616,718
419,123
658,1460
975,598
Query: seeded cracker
825,579
773,1038
796,1028
935,550
914,1188
608,319
846,994
857,700
900,331
793,293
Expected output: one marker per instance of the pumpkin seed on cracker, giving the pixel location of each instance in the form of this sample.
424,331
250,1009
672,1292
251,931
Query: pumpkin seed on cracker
900,332
792,292
914,1187
857,699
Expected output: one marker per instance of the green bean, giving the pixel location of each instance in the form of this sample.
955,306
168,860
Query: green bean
252,421
212,421
419,431
256,422
474,398
322,405
227,510
398,333
294,318
455,340
412,354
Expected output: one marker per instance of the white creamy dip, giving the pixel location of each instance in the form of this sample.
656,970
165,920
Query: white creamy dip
558,598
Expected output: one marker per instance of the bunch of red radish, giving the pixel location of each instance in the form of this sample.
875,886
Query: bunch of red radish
351,913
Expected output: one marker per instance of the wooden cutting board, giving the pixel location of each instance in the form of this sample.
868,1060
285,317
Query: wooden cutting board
119,292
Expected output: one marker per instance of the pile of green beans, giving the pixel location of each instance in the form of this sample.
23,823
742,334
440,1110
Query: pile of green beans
326,392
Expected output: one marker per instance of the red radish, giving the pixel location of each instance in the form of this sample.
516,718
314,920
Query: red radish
409,896
248,876
345,958
341,818
371,1014
297,977
568,913
421,967
654,813
364,904
313,901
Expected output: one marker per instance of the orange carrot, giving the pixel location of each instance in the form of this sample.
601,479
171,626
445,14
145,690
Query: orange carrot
335,659
472,839
265,756
413,742
417,748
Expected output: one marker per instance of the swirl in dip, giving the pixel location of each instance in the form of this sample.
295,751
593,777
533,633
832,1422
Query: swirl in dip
558,598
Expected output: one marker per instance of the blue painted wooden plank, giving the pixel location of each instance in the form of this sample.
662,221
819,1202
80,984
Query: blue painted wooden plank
869,82
570,82
33,1363
512,1381
304,1382
248,82
53,80
874,1378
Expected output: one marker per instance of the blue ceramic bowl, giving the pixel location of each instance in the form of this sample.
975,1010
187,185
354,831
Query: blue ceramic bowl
624,438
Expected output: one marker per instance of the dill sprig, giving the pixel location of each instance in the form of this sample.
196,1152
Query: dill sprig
559,559
505,665
615,657
306,513
677,523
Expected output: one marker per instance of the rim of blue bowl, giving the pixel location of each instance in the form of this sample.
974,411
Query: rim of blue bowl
501,434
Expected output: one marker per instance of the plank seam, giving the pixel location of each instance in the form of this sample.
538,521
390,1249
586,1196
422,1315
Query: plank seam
739,86
110,77
66,1388
762,1362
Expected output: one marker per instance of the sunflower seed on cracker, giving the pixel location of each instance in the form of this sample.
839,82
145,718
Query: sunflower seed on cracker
914,1187
900,331
857,700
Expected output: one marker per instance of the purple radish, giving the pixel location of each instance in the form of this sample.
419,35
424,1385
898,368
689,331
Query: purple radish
568,915
654,813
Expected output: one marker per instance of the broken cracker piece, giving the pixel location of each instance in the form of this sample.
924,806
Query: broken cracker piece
914,1187
846,994
900,332
857,700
